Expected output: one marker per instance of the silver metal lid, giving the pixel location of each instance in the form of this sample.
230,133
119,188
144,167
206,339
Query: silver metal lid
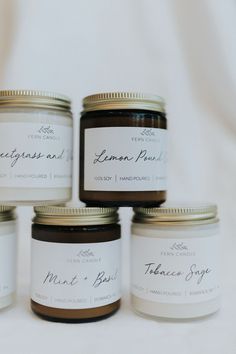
7,213
63,215
173,213
123,100
34,99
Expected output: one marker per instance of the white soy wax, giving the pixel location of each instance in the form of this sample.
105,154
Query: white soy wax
175,261
35,148
8,256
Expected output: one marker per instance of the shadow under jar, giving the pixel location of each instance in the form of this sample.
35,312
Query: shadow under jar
75,267
123,150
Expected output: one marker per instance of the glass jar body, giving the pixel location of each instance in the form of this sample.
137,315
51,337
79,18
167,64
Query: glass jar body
8,260
35,155
123,158
175,270
85,283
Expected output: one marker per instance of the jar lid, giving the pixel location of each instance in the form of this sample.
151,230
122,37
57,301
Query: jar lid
123,100
34,99
170,213
7,213
63,215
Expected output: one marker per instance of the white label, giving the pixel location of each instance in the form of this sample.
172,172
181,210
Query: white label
35,155
7,264
125,159
175,270
75,276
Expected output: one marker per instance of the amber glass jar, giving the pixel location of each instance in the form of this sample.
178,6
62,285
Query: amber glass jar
75,267
123,150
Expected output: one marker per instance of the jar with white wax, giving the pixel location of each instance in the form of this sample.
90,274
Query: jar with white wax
35,148
175,261
7,256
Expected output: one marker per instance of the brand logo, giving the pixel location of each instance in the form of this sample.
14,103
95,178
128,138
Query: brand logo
85,253
46,130
179,247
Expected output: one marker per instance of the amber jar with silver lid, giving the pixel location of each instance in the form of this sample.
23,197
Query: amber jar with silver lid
75,267
175,261
8,255
123,150
35,147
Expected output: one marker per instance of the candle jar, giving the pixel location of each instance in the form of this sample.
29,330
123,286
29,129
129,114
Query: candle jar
7,256
123,152
175,261
75,274
35,147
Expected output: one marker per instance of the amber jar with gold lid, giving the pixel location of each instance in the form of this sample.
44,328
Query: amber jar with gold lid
123,150
75,267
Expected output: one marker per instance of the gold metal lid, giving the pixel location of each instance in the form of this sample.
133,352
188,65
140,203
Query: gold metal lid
176,213
70,216
123,100
7,213
34,99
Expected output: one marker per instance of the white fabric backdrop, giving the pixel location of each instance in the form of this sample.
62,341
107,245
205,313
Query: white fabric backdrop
183,50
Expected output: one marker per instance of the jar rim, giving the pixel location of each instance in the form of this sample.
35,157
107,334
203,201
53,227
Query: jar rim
34,99
176,213
123,100
7,213
74,216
